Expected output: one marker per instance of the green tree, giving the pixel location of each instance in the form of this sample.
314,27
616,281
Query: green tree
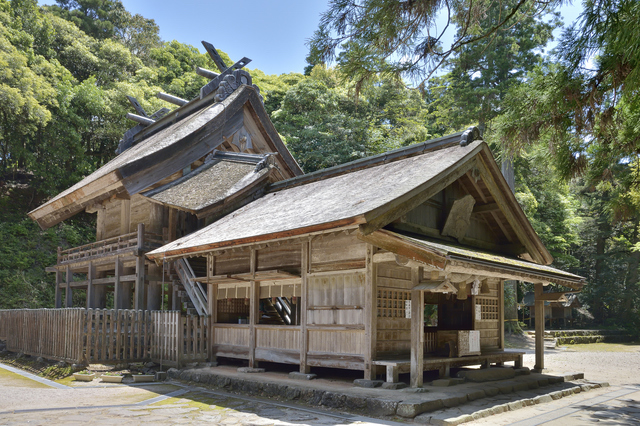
393,37
99,19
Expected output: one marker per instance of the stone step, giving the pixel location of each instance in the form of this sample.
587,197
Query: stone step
508,401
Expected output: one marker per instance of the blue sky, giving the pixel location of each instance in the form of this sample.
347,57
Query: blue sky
272,33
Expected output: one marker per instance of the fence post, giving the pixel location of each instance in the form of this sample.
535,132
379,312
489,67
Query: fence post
180,338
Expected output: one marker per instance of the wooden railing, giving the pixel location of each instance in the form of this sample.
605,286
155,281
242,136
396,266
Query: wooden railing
111,246
104,336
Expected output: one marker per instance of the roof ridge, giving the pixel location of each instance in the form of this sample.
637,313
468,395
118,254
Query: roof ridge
461,138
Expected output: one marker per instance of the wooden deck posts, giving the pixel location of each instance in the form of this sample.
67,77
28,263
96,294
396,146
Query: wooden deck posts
417,330
539,309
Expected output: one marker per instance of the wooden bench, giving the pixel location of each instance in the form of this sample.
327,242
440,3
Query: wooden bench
395,367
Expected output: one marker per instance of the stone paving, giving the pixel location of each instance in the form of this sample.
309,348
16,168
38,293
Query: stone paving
161,404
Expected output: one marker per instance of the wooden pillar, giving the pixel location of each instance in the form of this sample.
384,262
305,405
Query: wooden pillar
125,216
117,286
68,300
140,275
154,288
539,307
417,330
212,300
175,300
58,293
91,274
99,292
304,302
254,304
370,315
173,222
501,314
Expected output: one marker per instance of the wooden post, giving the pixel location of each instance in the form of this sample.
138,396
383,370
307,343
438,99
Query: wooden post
58,289
370,315
68,300
212,300
180,338
254,305
140,276
173,222
539,307
154,289
501,314
125,216
304,302
417,330
117,286
91,296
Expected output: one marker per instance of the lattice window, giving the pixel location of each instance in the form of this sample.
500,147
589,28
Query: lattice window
233,306
391,303
489,308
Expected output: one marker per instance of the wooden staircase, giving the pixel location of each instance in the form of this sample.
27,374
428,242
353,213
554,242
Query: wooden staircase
196,295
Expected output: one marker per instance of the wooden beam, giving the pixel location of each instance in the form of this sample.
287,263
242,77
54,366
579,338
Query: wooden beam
539,310
396,208
370,315
484,208
417,330
399,247
511,209
555,297
304,302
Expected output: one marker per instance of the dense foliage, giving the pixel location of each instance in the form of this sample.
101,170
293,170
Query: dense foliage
568,120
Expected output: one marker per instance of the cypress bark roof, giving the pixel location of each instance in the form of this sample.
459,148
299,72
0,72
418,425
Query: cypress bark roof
333,201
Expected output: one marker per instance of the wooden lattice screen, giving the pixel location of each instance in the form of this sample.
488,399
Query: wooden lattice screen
391,303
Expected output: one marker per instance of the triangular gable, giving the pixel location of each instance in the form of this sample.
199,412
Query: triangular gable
484,193
172,144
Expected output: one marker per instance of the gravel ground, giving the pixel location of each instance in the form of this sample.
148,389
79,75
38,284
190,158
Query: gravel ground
616,364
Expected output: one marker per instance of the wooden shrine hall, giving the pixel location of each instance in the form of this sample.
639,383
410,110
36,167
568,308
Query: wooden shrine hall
358,253
391,264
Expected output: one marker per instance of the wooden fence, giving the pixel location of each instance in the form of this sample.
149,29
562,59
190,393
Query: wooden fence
49,333
105,336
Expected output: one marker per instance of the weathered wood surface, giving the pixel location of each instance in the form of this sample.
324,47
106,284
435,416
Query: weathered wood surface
100,335
382,193
115,246
401,366
49,333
